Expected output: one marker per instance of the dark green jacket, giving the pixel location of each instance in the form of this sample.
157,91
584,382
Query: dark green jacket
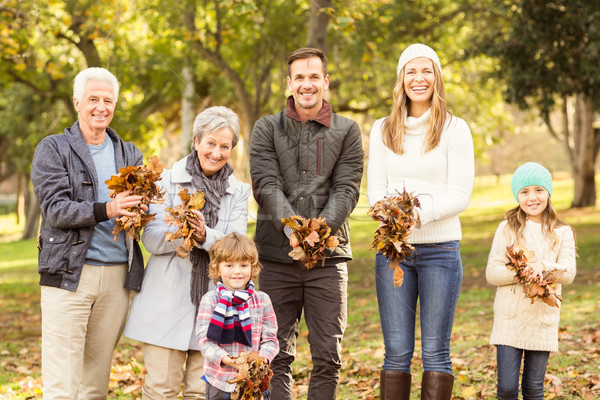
310,168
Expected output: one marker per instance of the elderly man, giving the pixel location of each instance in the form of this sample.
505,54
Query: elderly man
306,160
85,275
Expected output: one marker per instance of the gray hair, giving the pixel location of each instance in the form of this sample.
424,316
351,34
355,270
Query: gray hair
94,74
214,118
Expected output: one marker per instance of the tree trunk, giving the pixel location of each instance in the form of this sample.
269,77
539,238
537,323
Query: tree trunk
32,213
317,24
585,153
187,110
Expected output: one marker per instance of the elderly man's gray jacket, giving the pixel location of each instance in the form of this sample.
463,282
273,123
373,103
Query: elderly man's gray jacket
311,168
66,183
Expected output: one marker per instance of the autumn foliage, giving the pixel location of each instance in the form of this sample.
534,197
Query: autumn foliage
534,286
140,180
253,377
180,216
309,240
396,214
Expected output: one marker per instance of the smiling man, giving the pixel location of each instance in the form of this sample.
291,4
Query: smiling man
85,275
306,160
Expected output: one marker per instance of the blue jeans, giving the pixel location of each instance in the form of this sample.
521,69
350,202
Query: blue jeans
432,274
534,370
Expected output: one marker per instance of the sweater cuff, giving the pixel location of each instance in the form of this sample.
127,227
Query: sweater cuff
100,212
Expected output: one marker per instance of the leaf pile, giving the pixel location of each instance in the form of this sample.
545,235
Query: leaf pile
140,181
253,377
179,216
310,239
395,215
533,286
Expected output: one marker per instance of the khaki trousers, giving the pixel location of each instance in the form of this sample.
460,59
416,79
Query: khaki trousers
165,374
80,331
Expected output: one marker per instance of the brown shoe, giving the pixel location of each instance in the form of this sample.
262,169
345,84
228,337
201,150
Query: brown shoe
395,385
436,386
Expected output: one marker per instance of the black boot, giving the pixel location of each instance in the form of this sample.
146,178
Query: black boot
395,385
436,386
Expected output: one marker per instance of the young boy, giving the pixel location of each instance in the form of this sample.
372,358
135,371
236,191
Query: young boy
233,317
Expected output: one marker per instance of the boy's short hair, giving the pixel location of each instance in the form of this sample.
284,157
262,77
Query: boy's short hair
233,247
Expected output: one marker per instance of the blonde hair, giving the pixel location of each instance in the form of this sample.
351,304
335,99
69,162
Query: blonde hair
516,219
394,125
230,248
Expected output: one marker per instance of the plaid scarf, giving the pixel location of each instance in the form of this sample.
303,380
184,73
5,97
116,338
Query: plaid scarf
230,321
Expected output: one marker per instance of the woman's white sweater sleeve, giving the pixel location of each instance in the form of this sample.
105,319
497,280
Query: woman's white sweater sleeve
377,180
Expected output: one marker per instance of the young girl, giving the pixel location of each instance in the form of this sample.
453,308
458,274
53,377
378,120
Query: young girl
525,330
233,317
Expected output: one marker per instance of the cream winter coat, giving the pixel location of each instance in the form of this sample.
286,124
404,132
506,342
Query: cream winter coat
518,322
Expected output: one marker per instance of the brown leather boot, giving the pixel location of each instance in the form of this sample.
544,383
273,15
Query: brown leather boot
395,385
436,386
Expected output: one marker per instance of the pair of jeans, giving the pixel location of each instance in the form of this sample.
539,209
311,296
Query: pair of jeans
509,366
433,276
321,293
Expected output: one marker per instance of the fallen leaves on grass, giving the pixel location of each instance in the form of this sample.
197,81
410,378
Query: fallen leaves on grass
534,286
309,240
139,180
396,215
180,216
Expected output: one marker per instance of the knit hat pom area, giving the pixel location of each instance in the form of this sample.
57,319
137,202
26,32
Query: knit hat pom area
531,173
415,51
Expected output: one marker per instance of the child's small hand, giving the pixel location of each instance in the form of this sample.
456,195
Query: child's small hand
537,269
228,361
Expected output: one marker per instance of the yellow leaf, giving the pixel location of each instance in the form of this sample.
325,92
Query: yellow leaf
468,392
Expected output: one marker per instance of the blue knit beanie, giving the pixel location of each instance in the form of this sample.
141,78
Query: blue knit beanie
531,173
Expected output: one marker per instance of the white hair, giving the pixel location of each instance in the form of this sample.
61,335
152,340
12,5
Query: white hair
94,74
214,118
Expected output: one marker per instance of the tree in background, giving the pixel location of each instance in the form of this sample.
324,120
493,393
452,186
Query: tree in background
549,56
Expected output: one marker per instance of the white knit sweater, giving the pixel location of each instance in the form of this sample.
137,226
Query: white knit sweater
517,322
442,178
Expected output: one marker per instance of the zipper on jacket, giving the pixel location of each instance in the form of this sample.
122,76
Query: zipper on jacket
319,144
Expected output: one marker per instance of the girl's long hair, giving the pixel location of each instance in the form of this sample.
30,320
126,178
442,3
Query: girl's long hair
516,219
394,124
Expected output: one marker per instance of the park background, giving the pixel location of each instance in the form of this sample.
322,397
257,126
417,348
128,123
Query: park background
525,75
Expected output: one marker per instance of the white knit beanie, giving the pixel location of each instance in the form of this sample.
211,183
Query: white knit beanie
415,51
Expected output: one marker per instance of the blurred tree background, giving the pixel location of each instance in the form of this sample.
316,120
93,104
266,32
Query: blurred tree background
524,74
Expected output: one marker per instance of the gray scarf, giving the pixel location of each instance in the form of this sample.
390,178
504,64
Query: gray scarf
214,189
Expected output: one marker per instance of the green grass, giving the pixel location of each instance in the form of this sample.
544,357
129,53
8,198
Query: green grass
575,367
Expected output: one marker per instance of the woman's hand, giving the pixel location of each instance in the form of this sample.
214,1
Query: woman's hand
199,226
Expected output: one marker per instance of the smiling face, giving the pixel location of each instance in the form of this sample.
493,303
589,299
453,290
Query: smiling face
235,274
533,200
419,81
95,109
308,84
214,150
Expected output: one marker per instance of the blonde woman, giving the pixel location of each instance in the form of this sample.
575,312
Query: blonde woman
420,146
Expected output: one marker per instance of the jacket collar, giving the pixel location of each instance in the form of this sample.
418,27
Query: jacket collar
180,175
323,116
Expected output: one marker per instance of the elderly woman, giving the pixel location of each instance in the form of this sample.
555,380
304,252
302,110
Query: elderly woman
163,314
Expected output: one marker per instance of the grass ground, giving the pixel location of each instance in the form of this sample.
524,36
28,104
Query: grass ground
573,373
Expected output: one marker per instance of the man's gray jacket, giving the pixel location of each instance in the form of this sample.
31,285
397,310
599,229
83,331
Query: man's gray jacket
311,168
66,183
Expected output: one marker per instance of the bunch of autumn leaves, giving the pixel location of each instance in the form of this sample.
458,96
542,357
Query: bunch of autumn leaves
141,180
542,286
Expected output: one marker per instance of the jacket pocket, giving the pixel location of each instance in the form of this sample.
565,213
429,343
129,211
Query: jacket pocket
54,249
507,300
319,201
